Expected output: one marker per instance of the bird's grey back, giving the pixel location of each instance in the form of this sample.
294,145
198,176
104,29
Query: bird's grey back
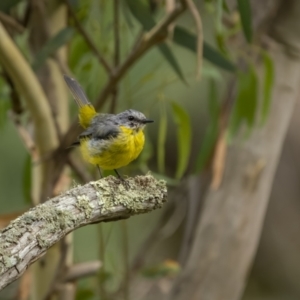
103,126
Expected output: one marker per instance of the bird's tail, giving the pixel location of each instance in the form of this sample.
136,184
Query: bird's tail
86,109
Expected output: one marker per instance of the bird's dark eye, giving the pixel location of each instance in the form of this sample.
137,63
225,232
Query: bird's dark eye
130,118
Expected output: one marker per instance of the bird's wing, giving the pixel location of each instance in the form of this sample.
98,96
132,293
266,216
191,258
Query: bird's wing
102,128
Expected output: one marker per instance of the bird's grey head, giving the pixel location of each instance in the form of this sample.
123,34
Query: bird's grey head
132,119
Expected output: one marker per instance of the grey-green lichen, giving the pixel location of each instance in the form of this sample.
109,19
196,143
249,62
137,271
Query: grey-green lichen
8,261
132,194
83,203
56,220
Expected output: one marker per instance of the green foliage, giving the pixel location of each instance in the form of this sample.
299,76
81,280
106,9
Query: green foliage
225,6
246,18
169,56
5,103
162,135
246,102
85,294
26,182
184,134
4,107
52,46
141,11
219,11
267,85
78,50
138,88
188,40
168,268
211,133
6,5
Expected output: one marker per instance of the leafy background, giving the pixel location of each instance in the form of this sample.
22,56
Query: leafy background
188,112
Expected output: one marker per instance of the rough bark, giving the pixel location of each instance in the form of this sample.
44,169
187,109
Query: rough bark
227,234
30,236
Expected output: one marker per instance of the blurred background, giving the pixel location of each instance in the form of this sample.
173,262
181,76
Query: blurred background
220,78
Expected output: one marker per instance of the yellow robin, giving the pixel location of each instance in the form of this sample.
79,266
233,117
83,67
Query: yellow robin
109,141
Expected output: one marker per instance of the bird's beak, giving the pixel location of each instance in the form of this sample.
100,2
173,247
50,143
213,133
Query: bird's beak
148,121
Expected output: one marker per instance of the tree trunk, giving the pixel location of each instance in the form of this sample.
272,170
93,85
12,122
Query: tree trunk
228,232
47,19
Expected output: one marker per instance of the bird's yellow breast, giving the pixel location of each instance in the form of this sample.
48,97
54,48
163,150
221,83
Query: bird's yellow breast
115,152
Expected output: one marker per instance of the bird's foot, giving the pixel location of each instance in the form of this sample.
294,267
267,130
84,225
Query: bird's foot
122,180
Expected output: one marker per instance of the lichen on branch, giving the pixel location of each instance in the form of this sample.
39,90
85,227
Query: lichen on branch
29,236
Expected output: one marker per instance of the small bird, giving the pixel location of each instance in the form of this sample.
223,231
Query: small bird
109,141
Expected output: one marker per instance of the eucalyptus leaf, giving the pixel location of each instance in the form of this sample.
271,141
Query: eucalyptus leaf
246,102
5,105
140,9
188,40
57,41
225,6
268,82
162,135
26,183
211,133
78,50
6,5
169,56
5,101
184,134
246,18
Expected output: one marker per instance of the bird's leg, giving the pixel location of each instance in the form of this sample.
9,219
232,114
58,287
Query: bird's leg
122,179
118,174
99,171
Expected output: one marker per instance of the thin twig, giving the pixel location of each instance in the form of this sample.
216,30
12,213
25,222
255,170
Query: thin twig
88,39
60,269
114,98
81,270
113,102
116,33
26,138
125,237
170,6
220,148
102,289
196,15
11,22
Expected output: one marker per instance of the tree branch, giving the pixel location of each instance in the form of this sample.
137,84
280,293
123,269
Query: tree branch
83,270
28,86
11,22
28,237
